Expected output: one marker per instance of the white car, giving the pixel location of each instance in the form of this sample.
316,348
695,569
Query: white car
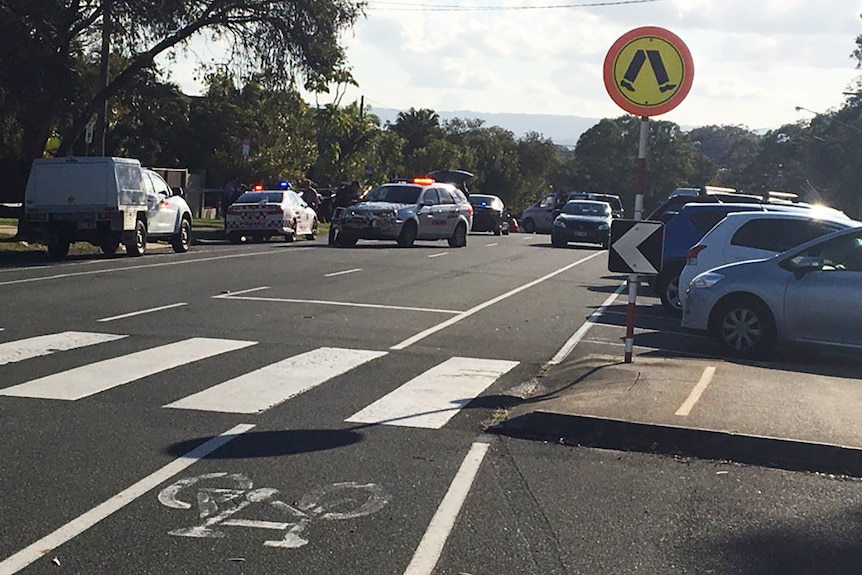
261,214
746,236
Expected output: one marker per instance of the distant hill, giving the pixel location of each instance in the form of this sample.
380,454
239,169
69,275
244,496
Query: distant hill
563,130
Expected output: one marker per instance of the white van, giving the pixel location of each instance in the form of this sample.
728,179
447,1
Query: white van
104,201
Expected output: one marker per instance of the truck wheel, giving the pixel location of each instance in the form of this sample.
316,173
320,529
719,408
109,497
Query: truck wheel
138,245
58,247
183,239
109,246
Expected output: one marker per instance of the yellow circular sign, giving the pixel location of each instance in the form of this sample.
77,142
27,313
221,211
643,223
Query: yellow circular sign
648,71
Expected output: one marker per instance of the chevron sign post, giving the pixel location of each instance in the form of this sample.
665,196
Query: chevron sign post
636,249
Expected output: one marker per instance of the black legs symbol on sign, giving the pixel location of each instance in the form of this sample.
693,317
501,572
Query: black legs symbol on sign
658,69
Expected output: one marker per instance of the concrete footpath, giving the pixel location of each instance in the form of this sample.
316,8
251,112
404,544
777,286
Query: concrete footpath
784,415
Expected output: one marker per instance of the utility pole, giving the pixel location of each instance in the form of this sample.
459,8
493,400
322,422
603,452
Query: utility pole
102,118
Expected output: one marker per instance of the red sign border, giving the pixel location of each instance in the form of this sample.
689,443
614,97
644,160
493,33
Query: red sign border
622,42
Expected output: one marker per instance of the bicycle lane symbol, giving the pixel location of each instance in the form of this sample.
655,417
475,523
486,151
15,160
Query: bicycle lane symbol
218,505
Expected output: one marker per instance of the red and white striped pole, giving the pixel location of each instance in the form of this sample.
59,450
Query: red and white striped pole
640,185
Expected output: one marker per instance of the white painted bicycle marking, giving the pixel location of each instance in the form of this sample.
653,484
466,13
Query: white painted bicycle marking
217,506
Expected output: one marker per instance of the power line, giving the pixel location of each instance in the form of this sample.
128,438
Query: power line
382,6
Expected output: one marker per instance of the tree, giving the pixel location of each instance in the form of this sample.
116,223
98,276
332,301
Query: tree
417,127
44,41
606,157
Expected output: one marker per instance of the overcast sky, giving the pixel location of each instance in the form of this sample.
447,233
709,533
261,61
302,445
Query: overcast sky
755,60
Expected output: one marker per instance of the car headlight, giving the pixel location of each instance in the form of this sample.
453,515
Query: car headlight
559,223
706,280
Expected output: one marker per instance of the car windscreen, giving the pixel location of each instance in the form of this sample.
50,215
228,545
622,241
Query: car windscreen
394,194
587,209
257,197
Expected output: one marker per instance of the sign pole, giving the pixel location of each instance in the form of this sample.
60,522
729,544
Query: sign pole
634,279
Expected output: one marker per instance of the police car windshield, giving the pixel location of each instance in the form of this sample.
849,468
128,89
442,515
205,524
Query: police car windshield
587,209
257,197
394,194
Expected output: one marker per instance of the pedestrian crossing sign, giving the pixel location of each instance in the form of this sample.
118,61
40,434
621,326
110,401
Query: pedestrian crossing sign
648,71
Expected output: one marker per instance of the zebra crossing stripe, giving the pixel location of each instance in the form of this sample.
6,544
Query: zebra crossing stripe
15,351
101,376
269,386
430,400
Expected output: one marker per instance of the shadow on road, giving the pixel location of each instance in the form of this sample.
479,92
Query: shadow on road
257,444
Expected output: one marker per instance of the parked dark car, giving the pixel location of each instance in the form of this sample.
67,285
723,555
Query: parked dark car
489,214
584,221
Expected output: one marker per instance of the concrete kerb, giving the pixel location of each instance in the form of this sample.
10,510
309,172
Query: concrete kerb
600,402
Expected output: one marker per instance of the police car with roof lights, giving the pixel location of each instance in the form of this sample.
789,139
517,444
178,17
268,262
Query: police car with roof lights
421,209
260,214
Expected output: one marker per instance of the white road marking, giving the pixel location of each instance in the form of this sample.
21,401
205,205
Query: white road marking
143,311
576,338
15,351
431,546
332,275
695,394
47,544
148,266
476,309
341,303
433,398
256,524
230,294
269,386
94,378
438,255
492,245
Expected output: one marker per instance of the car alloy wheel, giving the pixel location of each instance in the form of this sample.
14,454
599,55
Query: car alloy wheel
744,327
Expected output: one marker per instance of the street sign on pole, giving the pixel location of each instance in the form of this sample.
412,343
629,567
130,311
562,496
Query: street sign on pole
636,247
648,71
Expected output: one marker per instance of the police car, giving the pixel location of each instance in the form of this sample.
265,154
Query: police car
260,214
420,209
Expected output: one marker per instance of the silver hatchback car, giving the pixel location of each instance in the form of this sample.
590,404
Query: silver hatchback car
810,294
405,212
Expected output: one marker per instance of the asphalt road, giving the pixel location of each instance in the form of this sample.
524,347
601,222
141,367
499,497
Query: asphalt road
294,408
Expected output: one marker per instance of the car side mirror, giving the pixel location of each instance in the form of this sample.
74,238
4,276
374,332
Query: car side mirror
804,265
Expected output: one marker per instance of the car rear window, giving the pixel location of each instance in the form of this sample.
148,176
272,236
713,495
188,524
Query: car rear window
256,197
778,235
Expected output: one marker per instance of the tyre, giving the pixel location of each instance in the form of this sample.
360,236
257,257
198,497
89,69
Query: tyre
183,240
346,240
529,226
498,229
558,242
743,326
408,234
138,245
669,294
313,234
58,248
459,236
506,231
109,246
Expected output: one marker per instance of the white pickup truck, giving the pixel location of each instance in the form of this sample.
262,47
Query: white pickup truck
104,201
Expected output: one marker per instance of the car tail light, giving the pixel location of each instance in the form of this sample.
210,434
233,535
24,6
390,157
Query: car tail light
470,209
693,253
